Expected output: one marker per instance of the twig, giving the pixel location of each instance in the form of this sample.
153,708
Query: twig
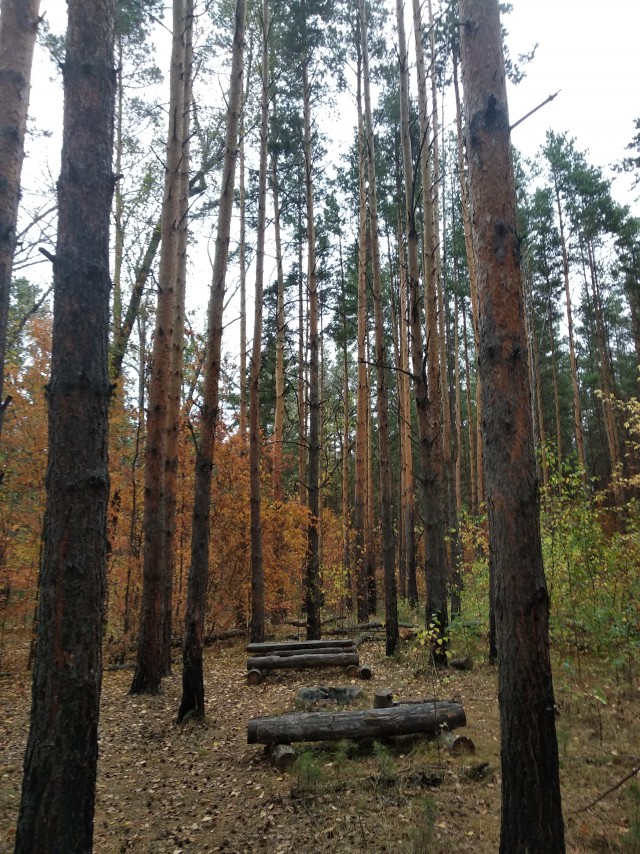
617,785
535,110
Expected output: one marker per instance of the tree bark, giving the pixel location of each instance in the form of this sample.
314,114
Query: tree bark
362,403
312,569
150,664
278,421
407,719
531,804
477,462
382,378
58,790
257,563
436,569
577,408
193,700
18,28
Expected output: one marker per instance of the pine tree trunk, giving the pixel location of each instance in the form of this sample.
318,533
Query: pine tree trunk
192,701
278,423
437,572
478,462
257,565
577,409
531,805
471,430
58,789
174,407
150,664
302,373
362,405
382,374
312,574
18,27
346,425
242,256
413,270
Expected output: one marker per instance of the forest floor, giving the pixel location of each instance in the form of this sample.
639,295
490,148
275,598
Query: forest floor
198,787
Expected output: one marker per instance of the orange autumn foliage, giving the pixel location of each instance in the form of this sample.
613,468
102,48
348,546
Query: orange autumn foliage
23,460
23,457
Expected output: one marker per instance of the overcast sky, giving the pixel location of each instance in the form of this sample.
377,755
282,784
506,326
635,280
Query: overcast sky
589,51
586,49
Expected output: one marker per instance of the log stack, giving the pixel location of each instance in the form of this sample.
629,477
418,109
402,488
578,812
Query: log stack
301,655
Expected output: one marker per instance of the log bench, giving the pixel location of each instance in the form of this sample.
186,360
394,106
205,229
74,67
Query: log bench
402,719
301,655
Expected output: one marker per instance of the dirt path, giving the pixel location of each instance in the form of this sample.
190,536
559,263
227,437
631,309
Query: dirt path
201,788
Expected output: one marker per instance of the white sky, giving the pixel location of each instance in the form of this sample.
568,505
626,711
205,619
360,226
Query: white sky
587,49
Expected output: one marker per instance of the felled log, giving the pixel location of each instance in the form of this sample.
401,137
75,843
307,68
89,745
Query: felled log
320,650
370,723
271,647
457,745
365,672
302,661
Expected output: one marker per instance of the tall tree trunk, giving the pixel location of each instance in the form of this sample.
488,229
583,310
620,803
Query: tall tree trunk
242,260
434,524
607,383
418,361
346,426
556,392
577,409
58,789
118,202
302,373
382,373
192,701
257,565
362,405
409,515
478,462
531,806
471,430
174,410
149,662
312,573
18,27
278,422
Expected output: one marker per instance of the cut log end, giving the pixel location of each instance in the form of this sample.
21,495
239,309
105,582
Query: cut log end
457,745
365,672
281,756
254,677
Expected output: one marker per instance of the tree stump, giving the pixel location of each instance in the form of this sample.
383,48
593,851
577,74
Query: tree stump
383,698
